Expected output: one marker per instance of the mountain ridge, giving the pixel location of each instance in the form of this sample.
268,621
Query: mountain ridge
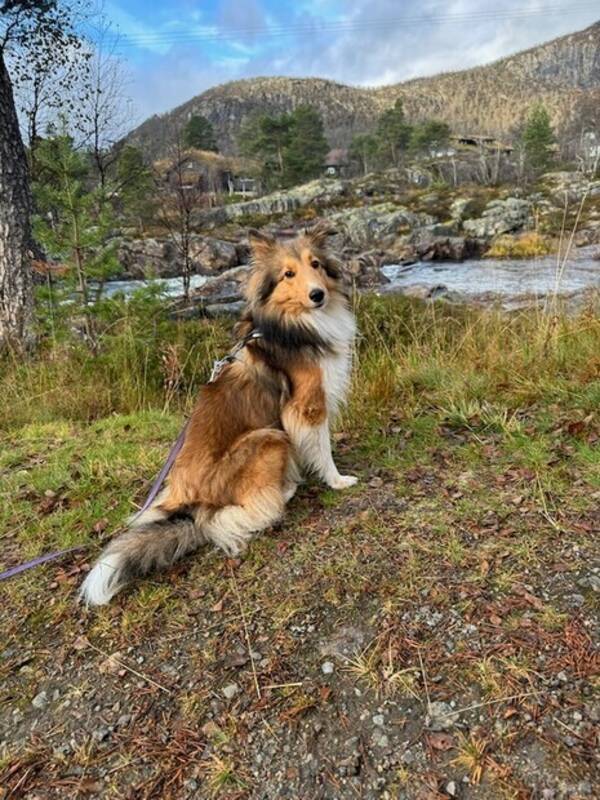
493,98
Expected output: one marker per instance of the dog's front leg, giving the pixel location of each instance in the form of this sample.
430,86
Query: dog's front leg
308,429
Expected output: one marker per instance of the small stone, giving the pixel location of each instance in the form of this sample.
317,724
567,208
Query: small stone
451,788
379,720
440,716
123,720
327,667
231,690
380,739
40,701
101,733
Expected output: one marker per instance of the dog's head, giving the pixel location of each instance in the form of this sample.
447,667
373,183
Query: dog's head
291,279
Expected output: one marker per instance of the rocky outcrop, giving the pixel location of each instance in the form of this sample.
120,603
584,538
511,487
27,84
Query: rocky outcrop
320,193
382,223
500,216
144,258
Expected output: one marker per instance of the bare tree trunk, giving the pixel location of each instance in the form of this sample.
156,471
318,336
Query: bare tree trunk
16,285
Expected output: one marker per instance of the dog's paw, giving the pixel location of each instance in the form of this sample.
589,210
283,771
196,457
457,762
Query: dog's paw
342,481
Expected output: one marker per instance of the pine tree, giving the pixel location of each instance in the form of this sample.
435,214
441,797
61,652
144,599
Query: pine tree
363,149
537,139
428,136
135,186
265,139
307,148
393,133
199,133
74,225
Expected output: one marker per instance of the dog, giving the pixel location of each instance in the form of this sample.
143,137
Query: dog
262,422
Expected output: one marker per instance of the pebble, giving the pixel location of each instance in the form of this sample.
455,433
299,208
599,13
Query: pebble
440,716
379,720
327,667
380,739
451,788
101,733
231,690
40,700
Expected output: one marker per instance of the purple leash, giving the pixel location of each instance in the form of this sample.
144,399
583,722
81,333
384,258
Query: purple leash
160,478
154,490
39,560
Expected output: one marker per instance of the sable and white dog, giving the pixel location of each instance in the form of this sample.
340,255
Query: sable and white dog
264,419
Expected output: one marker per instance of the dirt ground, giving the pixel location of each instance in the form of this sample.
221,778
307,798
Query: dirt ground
431,633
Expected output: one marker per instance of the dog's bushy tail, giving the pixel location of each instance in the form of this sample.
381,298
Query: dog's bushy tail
149,545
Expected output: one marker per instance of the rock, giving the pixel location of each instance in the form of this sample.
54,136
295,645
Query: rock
101,733
40,701
225,309
146,258
440,716
213,255
369,224
451,788
423,292
365,270
230,691
460,208
379,720
500,216
590,581
380,739
320,192
327,667
345,642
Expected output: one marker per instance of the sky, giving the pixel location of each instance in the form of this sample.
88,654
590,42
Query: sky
175,49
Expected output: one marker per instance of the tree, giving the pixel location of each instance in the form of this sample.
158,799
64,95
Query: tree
135,186
265,139
429,136
179,202
363,149
538,138
104,111
45,25
199,133
393,132
74,224
307,147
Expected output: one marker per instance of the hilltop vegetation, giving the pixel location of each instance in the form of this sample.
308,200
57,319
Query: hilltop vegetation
563,74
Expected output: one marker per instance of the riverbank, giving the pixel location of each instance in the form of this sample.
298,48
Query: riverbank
428,633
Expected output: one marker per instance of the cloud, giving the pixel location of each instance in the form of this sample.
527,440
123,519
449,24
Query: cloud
358,41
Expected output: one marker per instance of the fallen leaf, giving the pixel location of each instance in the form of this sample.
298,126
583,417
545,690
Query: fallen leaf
441,741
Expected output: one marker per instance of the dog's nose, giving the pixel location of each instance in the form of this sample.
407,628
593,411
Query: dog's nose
317,295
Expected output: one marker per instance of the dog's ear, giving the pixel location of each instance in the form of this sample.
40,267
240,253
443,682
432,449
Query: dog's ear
319,233
261,244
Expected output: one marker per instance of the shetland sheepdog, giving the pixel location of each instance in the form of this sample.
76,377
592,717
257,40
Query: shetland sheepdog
259,425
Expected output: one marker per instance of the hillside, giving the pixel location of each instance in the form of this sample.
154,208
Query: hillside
487,99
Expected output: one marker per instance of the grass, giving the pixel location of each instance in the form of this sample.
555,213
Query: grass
526,245
475,435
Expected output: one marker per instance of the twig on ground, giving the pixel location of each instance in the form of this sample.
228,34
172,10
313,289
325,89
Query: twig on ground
246,633
128,668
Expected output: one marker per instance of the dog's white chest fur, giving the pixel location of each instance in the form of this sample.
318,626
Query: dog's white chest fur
338,327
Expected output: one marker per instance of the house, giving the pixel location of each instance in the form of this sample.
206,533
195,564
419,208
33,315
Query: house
336,163
209,173
481,141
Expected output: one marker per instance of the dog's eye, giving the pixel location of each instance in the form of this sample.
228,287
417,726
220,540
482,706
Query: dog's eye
315,264
289,273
